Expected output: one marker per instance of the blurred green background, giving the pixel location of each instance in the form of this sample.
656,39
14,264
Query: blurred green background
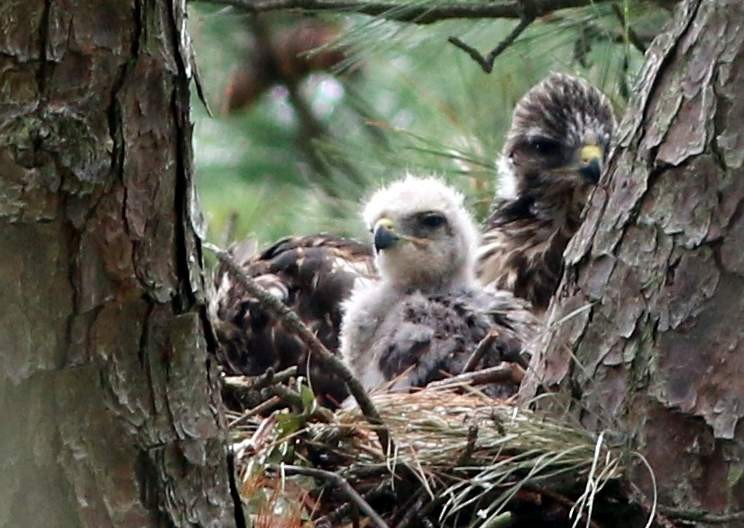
299,139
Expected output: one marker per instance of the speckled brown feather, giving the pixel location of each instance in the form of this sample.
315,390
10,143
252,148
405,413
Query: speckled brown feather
524,255
312,275
527,232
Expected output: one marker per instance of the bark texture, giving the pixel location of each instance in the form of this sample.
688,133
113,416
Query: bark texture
108,398
647,330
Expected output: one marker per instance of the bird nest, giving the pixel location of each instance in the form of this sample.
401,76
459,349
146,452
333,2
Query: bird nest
454,458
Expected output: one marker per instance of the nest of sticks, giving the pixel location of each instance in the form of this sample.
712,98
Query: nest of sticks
444,455
454,458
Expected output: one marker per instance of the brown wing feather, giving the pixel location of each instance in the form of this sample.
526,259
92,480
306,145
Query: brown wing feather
524,257
312,275
524,240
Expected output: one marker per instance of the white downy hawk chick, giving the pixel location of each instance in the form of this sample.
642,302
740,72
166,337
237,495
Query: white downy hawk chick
551,160
426,313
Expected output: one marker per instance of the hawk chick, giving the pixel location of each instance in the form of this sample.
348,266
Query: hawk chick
551,160
426,313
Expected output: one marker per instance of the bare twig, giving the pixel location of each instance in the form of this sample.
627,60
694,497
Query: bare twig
294,400
254,383
560,499
258,409
487,62
334,517
649,507
483,347
701,515
416,14
319,351
469,446
339,481
503,372
414,509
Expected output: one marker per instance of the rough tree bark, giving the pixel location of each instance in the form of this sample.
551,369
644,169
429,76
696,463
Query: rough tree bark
110,413
648,325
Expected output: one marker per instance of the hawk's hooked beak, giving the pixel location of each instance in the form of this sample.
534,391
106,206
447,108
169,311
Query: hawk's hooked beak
384,234
590,162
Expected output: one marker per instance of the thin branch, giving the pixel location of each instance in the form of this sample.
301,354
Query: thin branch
254,383
701,515
261,408
319,351
416,14
334,517
500,373
480,350
338,480
294,400
560,499
487,62
414,508
464,458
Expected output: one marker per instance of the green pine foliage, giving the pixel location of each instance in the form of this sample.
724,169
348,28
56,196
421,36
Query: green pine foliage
403,100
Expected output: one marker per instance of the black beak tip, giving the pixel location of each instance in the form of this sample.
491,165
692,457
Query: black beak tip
384,238
592,171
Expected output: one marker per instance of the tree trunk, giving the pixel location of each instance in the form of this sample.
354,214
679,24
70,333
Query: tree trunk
109,403
647,331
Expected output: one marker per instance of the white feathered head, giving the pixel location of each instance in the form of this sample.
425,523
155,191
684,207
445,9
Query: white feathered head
423,235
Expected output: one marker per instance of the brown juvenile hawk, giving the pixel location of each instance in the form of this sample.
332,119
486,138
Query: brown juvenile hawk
426,313
310,274
551,159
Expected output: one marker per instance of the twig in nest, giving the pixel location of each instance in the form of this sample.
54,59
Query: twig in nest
294,400
254,383
414,509
703,516
469,447
487,62
422,513
320,352
483,347
420,507
258,409
499,373
339,481
560,499
334,518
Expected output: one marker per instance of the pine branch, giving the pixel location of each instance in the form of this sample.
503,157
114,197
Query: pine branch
254,383
500,373
316,348
339,481
415,14
487,62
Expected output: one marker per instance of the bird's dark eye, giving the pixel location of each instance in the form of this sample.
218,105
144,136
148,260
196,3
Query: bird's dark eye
545,146
432,220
